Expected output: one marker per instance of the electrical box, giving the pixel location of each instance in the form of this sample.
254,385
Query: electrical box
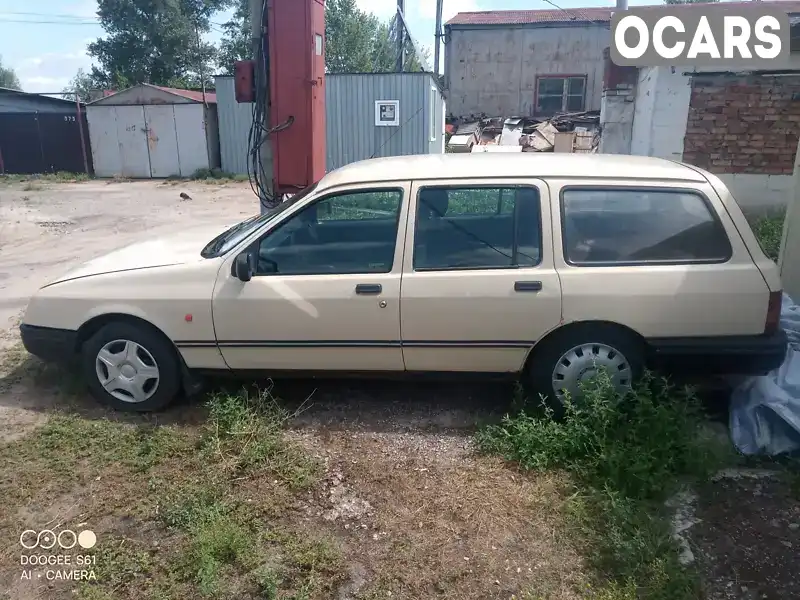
243,78
296,35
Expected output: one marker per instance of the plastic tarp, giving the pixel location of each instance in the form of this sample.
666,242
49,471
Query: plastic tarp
765,410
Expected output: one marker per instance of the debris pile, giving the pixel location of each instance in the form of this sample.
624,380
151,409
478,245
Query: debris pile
569,132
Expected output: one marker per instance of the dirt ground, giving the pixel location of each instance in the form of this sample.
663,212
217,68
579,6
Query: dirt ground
49,228
415,512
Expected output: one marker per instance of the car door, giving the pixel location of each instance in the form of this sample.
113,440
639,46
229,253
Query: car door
325,295
479,284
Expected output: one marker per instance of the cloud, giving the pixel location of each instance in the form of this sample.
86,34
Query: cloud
81,8
52,71
383,9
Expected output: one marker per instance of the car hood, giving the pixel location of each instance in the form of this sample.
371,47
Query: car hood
172,249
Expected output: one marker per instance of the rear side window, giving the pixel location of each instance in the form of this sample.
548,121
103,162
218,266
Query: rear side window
477,228
640,226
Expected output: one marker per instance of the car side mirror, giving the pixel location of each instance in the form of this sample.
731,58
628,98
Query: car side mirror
242,268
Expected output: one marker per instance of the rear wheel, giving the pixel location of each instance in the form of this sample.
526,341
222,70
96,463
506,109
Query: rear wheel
570,358
131,368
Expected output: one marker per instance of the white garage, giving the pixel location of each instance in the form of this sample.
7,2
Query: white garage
149,131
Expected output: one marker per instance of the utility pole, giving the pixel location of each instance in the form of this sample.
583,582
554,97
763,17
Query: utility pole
201,70
401,35
437,40
258,34
622,4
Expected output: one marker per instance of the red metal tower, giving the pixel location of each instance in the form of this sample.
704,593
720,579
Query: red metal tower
296,37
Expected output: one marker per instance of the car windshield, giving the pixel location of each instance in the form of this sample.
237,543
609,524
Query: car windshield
231,237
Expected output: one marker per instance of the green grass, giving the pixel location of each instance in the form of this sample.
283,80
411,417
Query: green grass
58,177
204,507
626,454
244,433
216,175
769,232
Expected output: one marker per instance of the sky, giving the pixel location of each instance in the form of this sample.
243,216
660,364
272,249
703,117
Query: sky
45,41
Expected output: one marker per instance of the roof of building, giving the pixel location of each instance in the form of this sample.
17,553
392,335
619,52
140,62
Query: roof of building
210,97
577,15
125,95
528,164
31,96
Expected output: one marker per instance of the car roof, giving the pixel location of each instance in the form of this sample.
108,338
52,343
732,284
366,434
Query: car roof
494,165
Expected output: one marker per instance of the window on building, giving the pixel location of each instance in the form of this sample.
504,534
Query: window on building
355,232
560,94
640,226
477,228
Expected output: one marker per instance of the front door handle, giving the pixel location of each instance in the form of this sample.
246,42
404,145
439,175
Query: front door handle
528,286
369,289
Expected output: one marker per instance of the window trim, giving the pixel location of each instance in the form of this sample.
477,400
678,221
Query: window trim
254,247
514,250
612,188
564,90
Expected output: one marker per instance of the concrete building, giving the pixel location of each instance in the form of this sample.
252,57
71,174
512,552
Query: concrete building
525,62
151,131
741,126
353,116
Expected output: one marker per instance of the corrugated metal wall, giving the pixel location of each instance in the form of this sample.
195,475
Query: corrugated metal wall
350,117
234,127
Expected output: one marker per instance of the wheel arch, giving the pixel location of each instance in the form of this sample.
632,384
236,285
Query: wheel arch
573,326
96,323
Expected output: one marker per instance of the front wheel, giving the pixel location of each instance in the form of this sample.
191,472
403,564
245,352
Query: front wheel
567,360
131,368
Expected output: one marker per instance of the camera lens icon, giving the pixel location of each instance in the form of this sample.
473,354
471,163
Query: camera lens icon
65,539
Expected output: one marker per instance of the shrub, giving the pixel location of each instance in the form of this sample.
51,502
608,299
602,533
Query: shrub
626,453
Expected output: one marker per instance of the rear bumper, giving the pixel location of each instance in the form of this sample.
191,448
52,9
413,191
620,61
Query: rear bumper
729,355
49,344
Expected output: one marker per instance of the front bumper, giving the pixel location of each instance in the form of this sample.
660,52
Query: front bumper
48,343
728,355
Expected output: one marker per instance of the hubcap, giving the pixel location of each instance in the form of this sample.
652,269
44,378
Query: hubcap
583,362
127,371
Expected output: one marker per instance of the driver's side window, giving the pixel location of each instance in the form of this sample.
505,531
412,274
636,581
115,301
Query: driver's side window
353,232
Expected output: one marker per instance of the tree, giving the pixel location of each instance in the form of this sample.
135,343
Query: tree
84,85
235,43
154,41
8,78
357,42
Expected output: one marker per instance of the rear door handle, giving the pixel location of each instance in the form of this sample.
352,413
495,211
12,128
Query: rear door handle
368,289
527,286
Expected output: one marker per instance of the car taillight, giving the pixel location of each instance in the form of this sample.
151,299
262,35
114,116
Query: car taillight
773,312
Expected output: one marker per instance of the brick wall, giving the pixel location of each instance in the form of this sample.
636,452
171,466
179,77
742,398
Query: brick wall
743,124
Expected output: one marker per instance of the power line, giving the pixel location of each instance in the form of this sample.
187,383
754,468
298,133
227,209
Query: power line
34,22
37,14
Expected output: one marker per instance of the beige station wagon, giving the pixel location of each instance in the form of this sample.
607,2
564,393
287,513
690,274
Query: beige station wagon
542,266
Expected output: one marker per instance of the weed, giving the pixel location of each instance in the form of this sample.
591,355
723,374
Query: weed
245,432
32,187
769,232
627,452
217,176
122,561
58,177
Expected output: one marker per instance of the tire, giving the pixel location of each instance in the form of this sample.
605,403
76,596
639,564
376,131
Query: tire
138,370
583,347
